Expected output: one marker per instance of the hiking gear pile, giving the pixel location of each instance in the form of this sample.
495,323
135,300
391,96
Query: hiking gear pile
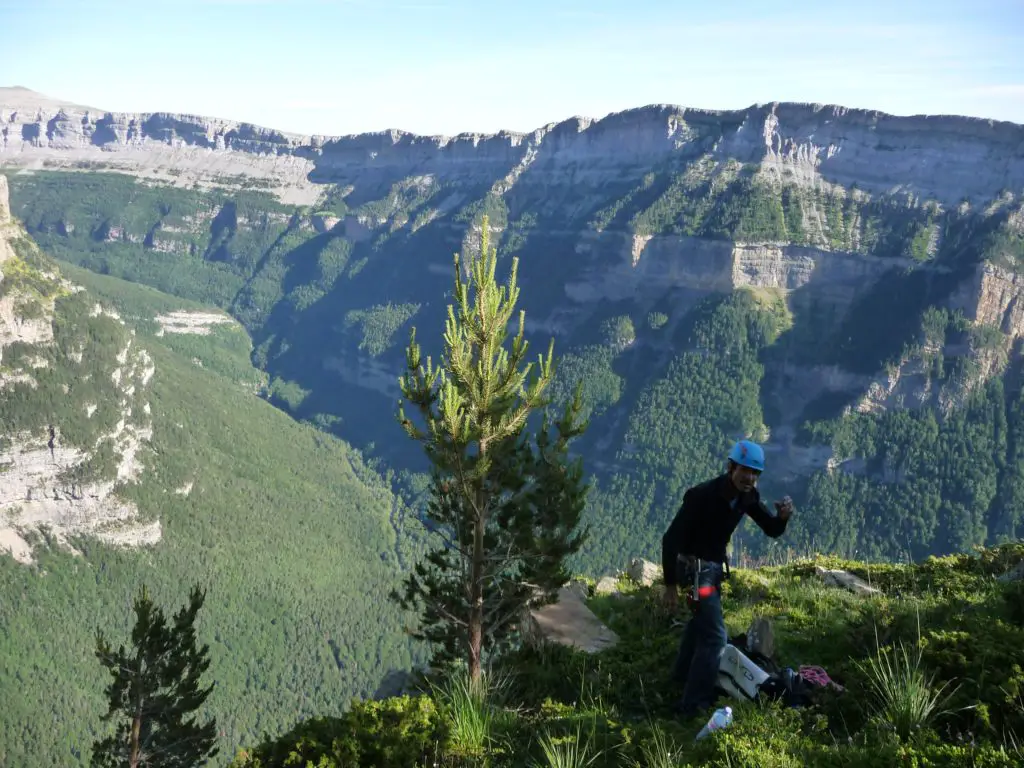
746,673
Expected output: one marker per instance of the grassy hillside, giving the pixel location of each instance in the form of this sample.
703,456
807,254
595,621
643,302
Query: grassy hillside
960,629
293,535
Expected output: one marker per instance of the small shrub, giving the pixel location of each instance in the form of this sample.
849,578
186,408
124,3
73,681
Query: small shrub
397,731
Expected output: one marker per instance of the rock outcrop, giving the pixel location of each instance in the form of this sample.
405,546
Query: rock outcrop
837,145
994,295
644,572
5,201
195,323
45,484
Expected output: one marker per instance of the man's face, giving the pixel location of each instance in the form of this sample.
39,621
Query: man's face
744,478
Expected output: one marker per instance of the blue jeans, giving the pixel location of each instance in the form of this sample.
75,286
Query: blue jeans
702,643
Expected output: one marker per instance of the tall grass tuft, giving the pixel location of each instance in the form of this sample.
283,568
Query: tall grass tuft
471,710
905,697
660,752
572,752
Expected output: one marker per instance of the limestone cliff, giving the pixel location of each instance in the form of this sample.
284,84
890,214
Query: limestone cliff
5,203
809,142
52,481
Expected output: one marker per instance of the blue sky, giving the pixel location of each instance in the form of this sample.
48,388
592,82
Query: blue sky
446,66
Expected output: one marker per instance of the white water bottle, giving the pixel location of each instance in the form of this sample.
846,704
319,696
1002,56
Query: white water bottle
721,719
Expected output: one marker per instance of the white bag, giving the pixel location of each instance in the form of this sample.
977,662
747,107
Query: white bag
738,676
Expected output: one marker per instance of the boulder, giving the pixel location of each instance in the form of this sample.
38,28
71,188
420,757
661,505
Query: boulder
568,622
847,580
643,571
607,585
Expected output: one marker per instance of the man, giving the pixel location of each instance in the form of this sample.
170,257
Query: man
693,550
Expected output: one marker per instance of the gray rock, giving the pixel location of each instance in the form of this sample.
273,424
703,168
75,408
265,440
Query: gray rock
567,622
847,580
761,636
644,571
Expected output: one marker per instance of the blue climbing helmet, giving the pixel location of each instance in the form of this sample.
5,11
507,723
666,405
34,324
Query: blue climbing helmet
748,454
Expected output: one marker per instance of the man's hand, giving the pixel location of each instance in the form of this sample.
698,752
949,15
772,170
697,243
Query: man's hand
784,508
670,598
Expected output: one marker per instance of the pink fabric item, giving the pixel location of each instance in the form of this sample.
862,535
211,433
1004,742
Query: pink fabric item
818,676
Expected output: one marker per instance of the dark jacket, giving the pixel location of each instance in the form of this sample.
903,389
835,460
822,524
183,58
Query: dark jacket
706,520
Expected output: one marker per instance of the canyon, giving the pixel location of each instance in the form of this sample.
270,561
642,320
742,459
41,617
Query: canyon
846,228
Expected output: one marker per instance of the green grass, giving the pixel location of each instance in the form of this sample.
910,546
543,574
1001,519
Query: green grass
953,700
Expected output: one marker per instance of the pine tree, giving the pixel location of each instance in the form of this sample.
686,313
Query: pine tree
506,507
154,691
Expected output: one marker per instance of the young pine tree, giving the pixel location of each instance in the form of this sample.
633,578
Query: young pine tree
505,502
155,691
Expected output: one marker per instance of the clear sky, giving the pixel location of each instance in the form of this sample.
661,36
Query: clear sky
446,66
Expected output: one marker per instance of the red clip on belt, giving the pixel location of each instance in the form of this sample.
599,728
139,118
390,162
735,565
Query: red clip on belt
702,593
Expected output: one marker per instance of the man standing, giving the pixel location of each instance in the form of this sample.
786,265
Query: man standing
693,550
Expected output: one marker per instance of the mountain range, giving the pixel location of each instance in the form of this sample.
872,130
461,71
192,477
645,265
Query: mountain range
842,285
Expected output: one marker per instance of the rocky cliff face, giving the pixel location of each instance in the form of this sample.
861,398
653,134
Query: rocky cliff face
5,202
946,158
48,483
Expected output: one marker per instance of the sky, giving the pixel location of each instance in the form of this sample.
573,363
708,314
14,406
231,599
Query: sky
338,67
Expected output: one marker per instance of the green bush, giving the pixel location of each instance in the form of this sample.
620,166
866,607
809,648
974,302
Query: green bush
396,731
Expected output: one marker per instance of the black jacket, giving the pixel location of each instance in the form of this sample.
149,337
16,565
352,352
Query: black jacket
706,520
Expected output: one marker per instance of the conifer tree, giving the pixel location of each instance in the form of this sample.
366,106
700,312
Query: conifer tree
505,501
155,690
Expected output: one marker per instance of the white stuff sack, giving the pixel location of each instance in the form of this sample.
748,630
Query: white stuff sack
738,676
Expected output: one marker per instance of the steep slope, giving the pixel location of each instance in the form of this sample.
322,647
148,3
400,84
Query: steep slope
167,469
842,284
64,453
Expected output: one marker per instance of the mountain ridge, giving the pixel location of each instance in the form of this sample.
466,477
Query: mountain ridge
35,98
808,137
